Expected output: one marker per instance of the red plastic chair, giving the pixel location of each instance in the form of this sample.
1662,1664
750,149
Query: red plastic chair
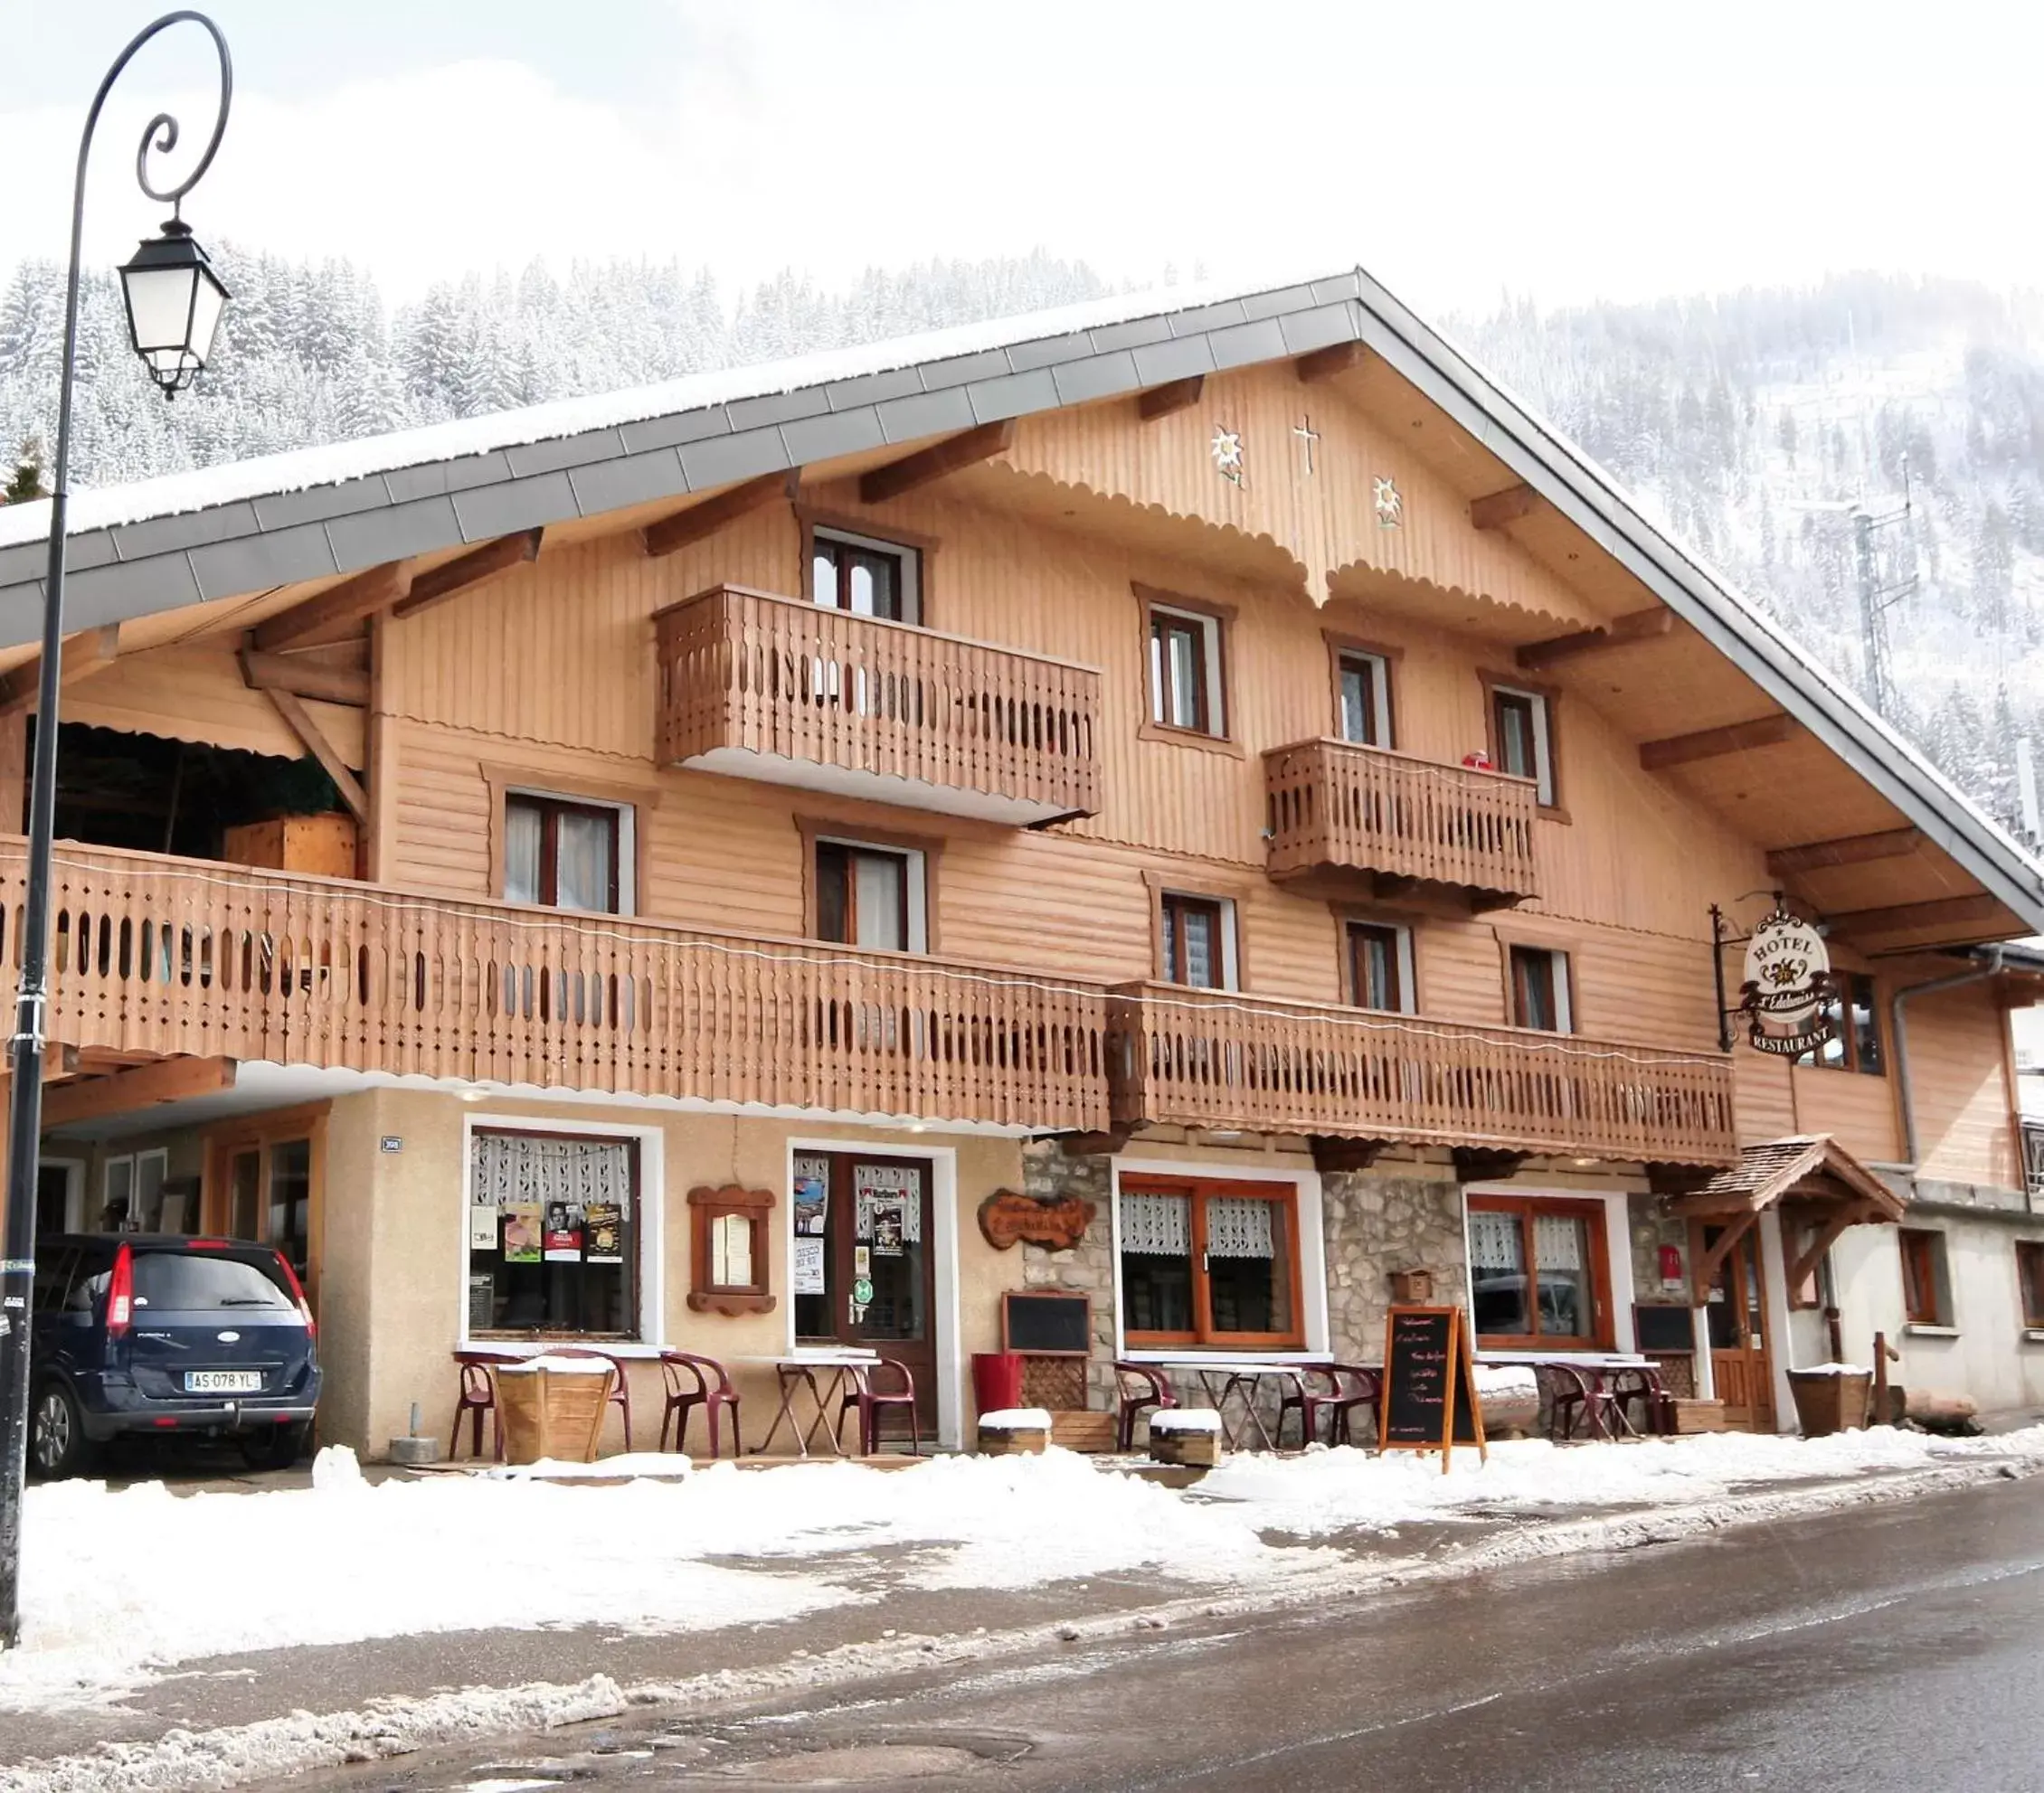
477,1396
1153,1389
620,1388
1581,1399
864,1393
694,1382
1335,1389
1656,1405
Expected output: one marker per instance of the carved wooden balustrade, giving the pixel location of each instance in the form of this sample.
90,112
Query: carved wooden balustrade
1216,1059
167,956
1336,805
766,686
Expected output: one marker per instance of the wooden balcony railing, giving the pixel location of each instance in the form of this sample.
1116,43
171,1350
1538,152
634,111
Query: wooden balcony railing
169,956
1213,1058
1334,804
770,687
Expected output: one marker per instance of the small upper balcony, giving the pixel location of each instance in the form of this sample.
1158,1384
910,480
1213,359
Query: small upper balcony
1338,808
759,687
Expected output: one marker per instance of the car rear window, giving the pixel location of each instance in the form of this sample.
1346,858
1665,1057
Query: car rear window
174,1281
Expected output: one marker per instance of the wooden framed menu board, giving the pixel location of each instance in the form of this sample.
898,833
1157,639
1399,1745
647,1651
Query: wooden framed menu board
1428,1402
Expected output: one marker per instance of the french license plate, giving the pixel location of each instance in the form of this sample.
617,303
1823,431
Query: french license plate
223,1381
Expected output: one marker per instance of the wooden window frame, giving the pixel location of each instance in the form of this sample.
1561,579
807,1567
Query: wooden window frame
1341,647
1219,619
1564,985
885,536
1284,1196
862,539
813,831
1529,1208
551,810
1551,807
2030,1282
1847,984
1406,952
706,1206
505,782
1235,953
1925,1264
262,1133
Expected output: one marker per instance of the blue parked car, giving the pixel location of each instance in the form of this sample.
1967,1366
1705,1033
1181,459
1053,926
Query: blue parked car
143,1334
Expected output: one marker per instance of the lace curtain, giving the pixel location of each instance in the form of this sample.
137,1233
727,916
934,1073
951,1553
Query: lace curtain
516,1168
1157,1225
1493,1239
1239,1226
1557,1242
893,1188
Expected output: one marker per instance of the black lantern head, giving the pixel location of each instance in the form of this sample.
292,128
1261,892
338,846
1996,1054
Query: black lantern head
174,303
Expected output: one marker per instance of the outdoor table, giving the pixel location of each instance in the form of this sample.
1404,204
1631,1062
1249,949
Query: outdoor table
1225,1377
798,1372
1599,1371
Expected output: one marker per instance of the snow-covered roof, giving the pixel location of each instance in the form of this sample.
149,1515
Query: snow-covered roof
250,526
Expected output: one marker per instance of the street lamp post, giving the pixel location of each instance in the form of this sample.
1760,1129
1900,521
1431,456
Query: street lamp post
173,305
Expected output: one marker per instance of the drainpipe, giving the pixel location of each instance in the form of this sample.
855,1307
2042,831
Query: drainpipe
1900,1030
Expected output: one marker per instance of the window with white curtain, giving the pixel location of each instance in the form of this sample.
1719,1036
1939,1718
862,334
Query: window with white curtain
564,853
1206,1263
554,1235
1537,1272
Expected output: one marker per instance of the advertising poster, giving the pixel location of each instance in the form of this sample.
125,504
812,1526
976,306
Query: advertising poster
604,1233
482,1300
521,1232
888,1227
564,1232
482,1227
809,1267
812,1203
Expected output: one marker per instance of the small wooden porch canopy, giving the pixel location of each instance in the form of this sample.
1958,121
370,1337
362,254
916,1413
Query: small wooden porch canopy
1820,1188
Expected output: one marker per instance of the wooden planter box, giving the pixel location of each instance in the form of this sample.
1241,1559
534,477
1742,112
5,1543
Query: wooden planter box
1199,1449
1000,1441
1692,1415
552,1413
1828,1403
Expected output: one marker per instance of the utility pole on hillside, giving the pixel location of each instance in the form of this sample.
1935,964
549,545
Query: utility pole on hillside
1877,599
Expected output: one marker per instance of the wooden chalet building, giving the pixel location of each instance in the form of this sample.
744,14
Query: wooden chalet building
1226,765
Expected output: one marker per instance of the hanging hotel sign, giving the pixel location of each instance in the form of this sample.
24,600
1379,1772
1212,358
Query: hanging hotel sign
1787,987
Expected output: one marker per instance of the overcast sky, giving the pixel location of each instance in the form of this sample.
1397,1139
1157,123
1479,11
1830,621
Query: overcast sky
1458,150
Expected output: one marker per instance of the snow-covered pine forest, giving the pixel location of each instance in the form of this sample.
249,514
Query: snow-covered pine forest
1751,424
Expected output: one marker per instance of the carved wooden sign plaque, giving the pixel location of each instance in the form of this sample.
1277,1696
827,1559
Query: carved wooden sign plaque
1057,1225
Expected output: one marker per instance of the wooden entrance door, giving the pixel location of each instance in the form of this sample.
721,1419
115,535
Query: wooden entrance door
877,1265
1742,1366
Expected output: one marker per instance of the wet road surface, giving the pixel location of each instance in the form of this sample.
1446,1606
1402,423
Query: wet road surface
1886,1650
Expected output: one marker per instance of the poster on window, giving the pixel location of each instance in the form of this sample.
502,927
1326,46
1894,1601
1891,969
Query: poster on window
482,1301
812,1203
604,1233
564,1232
521,1232
482,1228
809,1267
887,1229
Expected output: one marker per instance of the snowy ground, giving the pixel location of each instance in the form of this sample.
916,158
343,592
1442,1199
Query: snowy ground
120,1588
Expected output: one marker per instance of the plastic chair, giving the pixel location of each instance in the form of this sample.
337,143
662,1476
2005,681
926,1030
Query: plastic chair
694,1382
864,1393
1153,1389
1335,1389
620,1388
1580,1398
478,1395
1657,1406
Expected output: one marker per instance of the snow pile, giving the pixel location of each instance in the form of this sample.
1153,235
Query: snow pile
1499,1382
560,1366
1016,1420
661,1465
1186,1419
1833,1370
118,1585
1325,1491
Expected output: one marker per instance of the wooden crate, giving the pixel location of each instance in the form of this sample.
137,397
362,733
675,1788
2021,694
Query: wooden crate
1699,1416
321,845
1076,1429
1200,1450
1011,1442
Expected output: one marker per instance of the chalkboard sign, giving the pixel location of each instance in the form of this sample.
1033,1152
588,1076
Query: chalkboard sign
1661,1327
1429,1396
1046,1324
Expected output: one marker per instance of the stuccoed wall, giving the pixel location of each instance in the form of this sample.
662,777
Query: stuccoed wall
1389,1218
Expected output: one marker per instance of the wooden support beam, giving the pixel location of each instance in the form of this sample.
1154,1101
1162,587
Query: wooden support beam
1325,364
1335,1152
1494,510
90,651
1634,626
304,679
1786,861
935,461
684,528
1845,1214
1162,401
166,1081
298,720
14,774
1485,1164
334,612
1682,750
1908,918
491,561
1703,1265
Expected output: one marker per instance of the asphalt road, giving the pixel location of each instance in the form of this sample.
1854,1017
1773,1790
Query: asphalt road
1891,1648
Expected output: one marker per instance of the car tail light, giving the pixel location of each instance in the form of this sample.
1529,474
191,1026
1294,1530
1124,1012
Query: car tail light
120,1294
297,1295
208,1244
